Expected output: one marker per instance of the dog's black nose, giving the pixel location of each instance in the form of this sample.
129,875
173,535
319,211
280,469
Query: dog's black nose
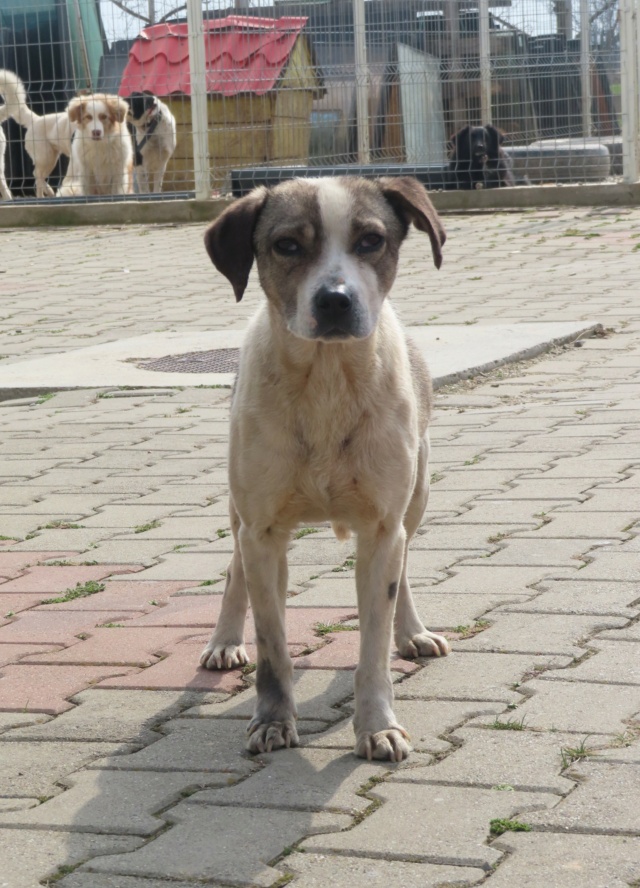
333,311
333,301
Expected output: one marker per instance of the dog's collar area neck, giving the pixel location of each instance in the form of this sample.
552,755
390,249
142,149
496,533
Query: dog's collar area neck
150,129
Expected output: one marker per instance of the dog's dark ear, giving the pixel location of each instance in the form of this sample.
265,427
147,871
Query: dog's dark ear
410,201
495,137
229,240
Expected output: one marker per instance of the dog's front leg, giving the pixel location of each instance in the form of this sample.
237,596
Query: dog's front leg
378,568
264,555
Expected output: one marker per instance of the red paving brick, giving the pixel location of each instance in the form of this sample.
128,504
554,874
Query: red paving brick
12,653
13,563
46,688
118,646
178,672
342,652
135,595
16,603
54,627
53,580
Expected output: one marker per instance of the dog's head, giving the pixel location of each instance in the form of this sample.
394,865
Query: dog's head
476,143
326,249
97,115
142,106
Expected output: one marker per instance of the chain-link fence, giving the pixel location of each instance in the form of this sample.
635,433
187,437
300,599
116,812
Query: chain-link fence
462,93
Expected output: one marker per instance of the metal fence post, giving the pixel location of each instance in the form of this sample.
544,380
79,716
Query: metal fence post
485,62
629,33
362,80
199,122
585,66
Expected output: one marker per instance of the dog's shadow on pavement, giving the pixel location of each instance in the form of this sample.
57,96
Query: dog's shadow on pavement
192,774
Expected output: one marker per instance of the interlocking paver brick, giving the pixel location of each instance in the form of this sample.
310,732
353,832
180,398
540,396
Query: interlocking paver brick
13,653
491,579
30,855
29,769
578,597
115,646
56,627
330,780
605,801
112,801
125,595
12,564
612,663
539,633
43,689
51,581
579,707
540,552
319,870
476,676
342,651
187,850
567,861
452,826
501,760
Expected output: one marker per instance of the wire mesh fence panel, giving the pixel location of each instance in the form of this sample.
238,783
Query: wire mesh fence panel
113,99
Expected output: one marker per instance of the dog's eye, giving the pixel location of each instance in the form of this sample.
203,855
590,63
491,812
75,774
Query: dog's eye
287,246
369,243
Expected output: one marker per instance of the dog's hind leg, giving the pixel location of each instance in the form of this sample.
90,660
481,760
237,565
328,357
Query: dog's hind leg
378,566
225,649
411,637
264,554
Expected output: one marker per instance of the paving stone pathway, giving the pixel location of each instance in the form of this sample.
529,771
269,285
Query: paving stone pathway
121,762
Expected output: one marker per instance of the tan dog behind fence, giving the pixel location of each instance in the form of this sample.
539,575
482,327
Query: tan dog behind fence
328,423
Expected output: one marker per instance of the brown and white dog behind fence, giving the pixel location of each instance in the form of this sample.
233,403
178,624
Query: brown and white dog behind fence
328,423
46,136
101,149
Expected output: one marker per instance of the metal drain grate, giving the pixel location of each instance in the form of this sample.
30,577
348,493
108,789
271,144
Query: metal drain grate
220,360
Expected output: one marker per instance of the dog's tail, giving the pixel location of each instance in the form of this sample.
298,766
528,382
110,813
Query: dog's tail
14,94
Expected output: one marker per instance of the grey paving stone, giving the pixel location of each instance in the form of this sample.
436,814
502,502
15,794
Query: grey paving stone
579,707
111,715
302,779
614,663
33,769
538,633
550,490
176,566
321,870
630,633
540,552
193,744
490,579
203,844
500,759
611,499
96,880
512,513
30,855
612,565
317,694
567,861
476,676
605,801
572,524
112,801
589,597
10,720
436,824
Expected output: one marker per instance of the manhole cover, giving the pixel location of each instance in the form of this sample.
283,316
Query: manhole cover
220,360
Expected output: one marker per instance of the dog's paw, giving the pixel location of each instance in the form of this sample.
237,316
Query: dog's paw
389,745
267,736
223,656
423,644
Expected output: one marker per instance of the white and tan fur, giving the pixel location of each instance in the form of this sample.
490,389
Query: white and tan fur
328,423
46,137
5,193
155,139
101,150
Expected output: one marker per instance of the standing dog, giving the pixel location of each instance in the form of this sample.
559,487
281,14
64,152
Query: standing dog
155,139
477,159
46,137
101,150
328,423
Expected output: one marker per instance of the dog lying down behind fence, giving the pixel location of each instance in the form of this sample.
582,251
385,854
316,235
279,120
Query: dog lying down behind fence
329,422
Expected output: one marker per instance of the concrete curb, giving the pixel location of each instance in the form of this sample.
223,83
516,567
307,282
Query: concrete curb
130,212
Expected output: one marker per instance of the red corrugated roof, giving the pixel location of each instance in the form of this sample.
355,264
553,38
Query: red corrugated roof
243,54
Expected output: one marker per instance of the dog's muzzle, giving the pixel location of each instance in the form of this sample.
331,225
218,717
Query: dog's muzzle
335,313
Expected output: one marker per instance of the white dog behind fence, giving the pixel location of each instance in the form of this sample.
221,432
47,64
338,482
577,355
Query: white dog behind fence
4,188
